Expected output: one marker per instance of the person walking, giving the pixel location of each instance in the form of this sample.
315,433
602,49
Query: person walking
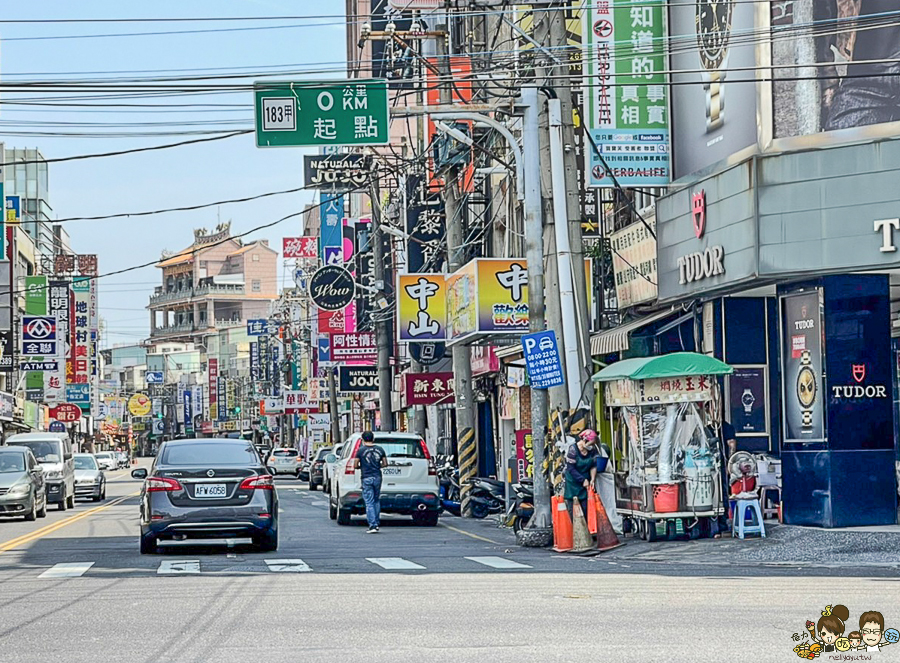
581,470
371,458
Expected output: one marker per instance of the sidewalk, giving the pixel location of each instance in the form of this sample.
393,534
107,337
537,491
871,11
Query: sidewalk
784,545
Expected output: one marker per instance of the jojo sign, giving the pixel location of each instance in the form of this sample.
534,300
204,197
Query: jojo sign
316,113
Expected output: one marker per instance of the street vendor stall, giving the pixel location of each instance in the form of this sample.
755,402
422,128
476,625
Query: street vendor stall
666,457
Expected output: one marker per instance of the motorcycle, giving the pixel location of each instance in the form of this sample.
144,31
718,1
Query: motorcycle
522,508
486,497
448,477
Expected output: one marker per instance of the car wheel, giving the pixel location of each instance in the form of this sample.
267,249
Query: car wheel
332,509
343,516
312,486
268,542
32,515
148,544
72,501
63,503
43,511
426,518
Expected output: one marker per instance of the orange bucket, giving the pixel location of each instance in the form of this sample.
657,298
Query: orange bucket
665,497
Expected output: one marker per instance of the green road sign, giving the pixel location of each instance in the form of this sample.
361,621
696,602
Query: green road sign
315,113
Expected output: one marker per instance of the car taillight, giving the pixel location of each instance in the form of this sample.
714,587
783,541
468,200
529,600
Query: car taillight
158,484
299,460
350,467
432,470
261,482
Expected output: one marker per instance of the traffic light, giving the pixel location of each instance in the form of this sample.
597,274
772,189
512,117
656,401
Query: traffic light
237,409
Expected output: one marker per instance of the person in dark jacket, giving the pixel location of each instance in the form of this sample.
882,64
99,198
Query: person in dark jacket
581,469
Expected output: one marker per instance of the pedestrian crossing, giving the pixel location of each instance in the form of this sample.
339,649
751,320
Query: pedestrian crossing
177,567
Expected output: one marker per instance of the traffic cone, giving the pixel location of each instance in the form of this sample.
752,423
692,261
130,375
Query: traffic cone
562,526
606,537
582,537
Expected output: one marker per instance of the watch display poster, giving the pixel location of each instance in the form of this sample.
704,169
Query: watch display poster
801,357
747,400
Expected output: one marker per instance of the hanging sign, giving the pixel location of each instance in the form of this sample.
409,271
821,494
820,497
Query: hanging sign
332,288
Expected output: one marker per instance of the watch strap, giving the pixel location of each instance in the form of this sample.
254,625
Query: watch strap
715,100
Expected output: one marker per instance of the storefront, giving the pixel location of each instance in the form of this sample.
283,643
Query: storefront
787,263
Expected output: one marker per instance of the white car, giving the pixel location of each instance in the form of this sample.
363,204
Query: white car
284,461
328,468
410,484
107,460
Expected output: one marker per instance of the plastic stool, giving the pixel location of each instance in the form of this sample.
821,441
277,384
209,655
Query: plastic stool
763,495
739,521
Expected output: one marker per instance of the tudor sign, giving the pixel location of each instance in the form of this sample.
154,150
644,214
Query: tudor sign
701,264
66,413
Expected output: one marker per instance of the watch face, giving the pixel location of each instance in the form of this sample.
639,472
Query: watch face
713,30
747,399
806,387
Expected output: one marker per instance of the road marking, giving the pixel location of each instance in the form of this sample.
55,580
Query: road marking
67,570
499,563
177,567
288,566
469,534
47,529
394,563
318,503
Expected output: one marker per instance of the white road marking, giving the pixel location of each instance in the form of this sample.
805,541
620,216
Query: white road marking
67,570
318,503
174,567
288,566
499,563
394,563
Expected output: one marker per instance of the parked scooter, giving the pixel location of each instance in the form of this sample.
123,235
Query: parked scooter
522,508
486,497
448,475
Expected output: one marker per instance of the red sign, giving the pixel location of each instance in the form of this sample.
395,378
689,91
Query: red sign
300,247
66,413
484,360
357,348
429,388
859,372
331,322
698,213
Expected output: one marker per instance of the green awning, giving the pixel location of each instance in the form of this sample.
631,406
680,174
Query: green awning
667,366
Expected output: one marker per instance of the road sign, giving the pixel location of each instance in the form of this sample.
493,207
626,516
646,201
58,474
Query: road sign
66,412
154,377
139,405
159,426
57,427
542,360
314,113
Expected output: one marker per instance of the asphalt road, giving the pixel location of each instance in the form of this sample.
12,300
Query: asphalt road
73,587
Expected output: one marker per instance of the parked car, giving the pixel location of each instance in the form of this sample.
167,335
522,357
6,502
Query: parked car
328,468
317,468
107,460
22,490
89,478
284,461
410,480
303,470
207,492
54,453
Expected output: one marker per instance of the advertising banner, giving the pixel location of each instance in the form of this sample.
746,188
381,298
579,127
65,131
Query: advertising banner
429,388
801,363
426,227
36,295
81,324
714,96
850,75
422,307
212,378
300,247
626,105
634,263
462,302
747,400
319,420
187,401
502,295
524,454
331,213
357,348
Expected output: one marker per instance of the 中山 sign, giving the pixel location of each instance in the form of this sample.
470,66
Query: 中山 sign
332,288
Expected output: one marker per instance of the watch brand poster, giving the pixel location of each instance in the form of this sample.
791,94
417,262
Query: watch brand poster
801,357
713,104
627,99
747,400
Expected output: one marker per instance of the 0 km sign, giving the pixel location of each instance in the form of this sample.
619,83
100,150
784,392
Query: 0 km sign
315,113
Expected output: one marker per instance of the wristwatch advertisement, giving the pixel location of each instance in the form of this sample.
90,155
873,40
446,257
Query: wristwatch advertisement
748,406
804,407
713,25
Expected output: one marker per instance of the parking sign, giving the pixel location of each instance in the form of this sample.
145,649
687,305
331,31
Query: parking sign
542,360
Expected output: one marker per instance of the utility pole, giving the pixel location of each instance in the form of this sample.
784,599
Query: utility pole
333,407
467,445
382,336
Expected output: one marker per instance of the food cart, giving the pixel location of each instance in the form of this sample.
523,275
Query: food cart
666,458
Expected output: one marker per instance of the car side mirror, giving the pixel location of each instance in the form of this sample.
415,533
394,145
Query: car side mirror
330,458
67,457
140,473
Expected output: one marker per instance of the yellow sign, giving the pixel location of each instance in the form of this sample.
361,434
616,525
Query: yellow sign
421,308
139,405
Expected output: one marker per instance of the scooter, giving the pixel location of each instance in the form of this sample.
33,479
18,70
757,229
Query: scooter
448,476
486,497
522,508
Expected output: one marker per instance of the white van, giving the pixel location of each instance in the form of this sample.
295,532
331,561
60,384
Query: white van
54,453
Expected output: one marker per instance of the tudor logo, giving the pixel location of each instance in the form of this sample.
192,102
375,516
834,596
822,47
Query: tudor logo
698,213
858,390
859,372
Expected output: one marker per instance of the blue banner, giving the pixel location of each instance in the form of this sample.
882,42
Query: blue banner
331,232
188,409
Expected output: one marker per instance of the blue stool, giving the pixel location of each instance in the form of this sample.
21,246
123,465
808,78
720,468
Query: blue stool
738,522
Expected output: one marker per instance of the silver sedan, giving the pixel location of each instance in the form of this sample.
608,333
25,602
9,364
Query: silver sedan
89,478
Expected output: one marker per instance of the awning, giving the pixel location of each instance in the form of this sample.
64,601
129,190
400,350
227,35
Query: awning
675,364
617,338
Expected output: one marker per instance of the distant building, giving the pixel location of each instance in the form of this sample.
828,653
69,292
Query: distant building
216,282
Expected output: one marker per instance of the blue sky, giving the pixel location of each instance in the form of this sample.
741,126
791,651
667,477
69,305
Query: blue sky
189,175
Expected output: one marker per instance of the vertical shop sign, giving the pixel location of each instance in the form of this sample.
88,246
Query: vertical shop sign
254,361
58,307
801,357
524,454
426,227
421,308
82,327
36,295
627,104
213,380
222,400
187,401
331,228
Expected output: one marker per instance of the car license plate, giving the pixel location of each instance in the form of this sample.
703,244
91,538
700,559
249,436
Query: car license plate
390,471
209,490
